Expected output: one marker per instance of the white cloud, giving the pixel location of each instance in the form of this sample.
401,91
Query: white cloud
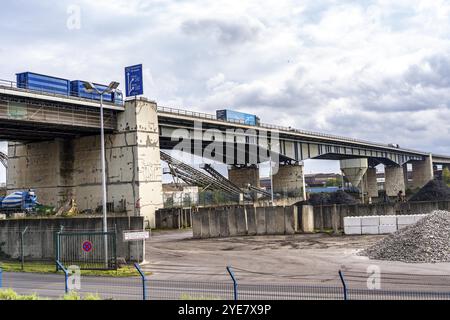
376,70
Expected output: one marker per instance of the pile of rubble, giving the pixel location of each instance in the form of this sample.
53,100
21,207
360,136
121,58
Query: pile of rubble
434,190
338,197
426,241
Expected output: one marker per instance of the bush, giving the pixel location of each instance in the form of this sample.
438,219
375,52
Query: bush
75,296
10,294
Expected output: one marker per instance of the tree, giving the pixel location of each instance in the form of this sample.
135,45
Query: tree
333,183
446,176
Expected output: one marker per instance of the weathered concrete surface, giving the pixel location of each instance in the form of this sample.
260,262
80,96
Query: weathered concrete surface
394,180
39,239
251,220
372,186
308,219
241,177
244,221
288,181
422,172
63,169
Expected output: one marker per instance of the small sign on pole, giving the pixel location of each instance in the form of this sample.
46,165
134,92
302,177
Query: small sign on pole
135,235
134,81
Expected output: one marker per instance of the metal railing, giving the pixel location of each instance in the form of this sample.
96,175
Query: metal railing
352,286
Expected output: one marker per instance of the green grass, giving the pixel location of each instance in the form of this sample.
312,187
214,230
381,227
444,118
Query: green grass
39,267
186,296
9,294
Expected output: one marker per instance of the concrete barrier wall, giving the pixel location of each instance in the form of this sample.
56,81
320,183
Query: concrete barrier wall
39,239
231,221
331,217
175,218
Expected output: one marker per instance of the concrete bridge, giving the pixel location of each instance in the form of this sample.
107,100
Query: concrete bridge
54,148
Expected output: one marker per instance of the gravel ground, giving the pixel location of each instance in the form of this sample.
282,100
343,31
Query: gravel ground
426,241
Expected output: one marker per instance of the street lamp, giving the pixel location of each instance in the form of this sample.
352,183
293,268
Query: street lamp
110,89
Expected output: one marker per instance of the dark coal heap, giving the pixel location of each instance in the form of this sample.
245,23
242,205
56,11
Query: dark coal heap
338,197
433,191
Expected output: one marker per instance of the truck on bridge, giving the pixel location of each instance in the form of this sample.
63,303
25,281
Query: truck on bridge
235,116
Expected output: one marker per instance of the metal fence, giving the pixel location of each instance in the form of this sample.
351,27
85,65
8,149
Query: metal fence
141,287
87,250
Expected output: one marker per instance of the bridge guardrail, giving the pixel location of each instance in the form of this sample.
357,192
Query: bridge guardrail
203,115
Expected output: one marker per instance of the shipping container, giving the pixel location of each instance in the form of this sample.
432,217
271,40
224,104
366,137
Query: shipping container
43,83
235,116
77,89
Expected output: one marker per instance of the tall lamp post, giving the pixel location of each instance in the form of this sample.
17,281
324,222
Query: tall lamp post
110,89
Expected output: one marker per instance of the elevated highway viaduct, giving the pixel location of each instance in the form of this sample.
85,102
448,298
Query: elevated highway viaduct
54,148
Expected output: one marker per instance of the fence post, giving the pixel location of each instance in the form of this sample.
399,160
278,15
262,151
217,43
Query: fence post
235,285
1,278
22,253
66,276
344,285
144,281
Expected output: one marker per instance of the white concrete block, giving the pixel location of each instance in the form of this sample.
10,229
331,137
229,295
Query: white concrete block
388,220
351,230
385,229
2,216
418,217
352,221
409,219
370,230
370,221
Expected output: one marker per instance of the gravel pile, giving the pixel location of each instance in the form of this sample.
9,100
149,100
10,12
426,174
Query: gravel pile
433,191
338,197
426,241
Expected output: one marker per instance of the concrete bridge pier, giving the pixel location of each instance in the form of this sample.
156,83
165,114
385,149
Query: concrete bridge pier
60,170
422,172
243,176
394,180
288,181
371,183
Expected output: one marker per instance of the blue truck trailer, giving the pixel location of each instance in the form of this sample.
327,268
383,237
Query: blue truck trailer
43,83
236,116
77,89
48,84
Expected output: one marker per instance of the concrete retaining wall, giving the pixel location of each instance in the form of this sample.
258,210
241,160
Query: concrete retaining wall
39,239
233,221
332,217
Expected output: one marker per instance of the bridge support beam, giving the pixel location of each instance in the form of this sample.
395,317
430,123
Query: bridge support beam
394,180
422,172
288,181
60,170
242,176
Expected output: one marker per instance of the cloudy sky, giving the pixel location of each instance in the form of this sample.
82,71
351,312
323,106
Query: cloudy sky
375,70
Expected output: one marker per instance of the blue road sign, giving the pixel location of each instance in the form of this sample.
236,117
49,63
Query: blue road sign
134,81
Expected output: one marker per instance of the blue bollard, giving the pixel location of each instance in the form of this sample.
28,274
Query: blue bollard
235,285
